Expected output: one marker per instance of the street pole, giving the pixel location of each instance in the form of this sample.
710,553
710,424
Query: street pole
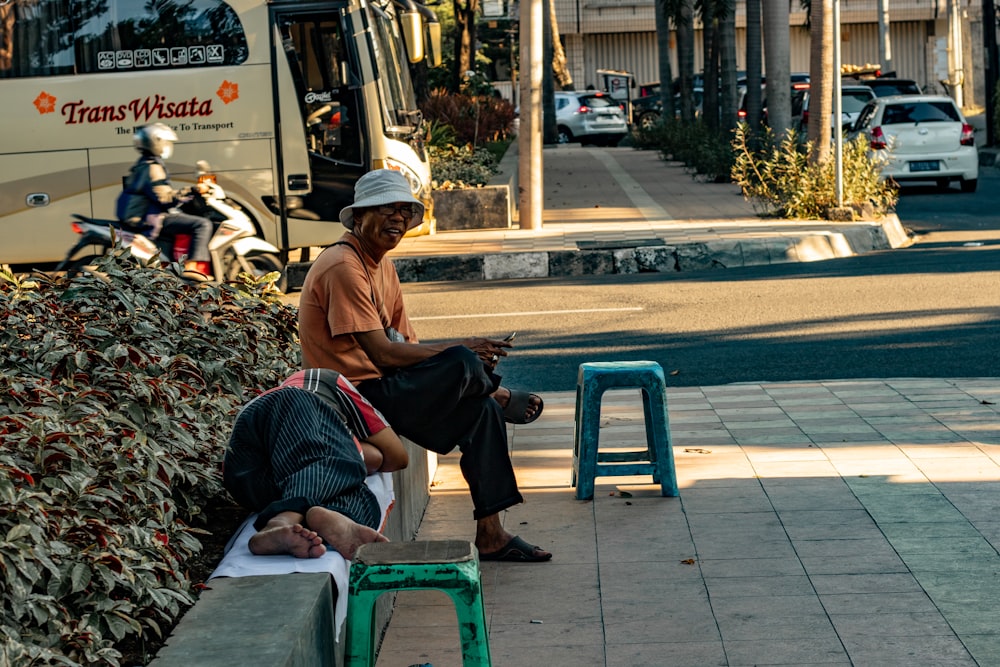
838,109
529,138
990,49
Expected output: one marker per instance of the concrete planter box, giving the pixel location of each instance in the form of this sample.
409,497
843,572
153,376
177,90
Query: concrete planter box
487,207
493,206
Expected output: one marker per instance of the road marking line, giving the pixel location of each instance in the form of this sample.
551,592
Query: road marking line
650,210
524,313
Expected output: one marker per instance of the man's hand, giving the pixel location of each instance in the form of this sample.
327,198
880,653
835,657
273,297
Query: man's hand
488,349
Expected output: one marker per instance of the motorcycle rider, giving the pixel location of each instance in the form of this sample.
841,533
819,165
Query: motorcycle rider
149,202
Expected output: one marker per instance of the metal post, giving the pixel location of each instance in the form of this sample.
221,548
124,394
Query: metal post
990,50
838,108
529,140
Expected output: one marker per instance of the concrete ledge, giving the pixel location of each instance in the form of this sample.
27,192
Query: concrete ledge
287,620
834,240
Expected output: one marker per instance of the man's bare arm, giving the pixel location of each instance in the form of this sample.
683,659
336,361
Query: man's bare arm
386,354
393,453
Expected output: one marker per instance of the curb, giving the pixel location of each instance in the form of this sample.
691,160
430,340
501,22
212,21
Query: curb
618,257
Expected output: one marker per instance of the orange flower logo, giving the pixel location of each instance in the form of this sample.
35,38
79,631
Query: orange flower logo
228,92
45,103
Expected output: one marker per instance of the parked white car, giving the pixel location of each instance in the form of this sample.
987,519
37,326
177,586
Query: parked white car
590,117
853,99
919,138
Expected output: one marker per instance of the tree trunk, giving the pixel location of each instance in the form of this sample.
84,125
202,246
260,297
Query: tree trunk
550,134
778,61
663,48
727,63
465,39
685,56
710,73
755,57
560,68
821,78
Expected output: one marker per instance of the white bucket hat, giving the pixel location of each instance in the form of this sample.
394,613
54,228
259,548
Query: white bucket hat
381,187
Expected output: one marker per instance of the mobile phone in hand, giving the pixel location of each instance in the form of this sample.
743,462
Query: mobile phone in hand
510,338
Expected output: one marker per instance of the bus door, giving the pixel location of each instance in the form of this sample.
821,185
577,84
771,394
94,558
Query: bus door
322,126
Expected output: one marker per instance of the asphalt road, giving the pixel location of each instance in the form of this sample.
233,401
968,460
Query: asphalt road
931,310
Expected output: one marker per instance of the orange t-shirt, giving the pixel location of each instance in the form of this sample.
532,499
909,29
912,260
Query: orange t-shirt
337,302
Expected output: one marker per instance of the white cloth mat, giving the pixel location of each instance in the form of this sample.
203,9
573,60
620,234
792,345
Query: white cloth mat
239,562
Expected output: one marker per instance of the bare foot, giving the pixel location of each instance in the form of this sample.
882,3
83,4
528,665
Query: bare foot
340,532
502,396
292,539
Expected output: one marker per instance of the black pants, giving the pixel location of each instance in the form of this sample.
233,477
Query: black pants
199,228
444,402
290,451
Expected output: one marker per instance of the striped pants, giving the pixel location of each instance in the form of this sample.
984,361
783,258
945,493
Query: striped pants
290,451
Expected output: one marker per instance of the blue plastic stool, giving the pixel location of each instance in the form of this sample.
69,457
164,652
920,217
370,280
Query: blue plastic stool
451,566
657,459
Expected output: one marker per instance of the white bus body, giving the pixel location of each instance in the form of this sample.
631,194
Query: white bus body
306,94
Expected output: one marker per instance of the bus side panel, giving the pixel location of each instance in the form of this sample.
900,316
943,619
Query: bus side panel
41,233
243,169
223,115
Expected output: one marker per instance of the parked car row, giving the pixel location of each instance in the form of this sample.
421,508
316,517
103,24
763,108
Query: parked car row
911,135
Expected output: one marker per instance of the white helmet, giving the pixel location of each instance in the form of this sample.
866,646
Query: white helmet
157,139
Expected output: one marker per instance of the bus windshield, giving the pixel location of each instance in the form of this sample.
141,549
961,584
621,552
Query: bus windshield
402,117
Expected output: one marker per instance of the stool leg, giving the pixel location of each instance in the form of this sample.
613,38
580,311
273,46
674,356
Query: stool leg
576,435
471,614
661,450
588,431
359,649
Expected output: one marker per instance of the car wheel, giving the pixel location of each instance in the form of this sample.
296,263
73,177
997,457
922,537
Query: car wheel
648,120
969,185
564,136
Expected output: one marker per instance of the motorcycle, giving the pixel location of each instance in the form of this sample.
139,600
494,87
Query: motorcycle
234,247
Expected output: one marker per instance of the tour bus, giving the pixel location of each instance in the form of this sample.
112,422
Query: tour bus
306,94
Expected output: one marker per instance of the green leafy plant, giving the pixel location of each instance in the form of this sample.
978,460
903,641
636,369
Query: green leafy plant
461,166
703,150
118,389
780,180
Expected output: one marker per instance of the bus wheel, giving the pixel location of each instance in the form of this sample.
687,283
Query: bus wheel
261,265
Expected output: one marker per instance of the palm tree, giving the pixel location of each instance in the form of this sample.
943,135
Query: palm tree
821,77
684,20
755,56
778,60
727,58
664,10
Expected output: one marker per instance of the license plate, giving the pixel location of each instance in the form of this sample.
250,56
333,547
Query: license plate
930,165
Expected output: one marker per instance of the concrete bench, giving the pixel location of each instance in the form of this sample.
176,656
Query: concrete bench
287,620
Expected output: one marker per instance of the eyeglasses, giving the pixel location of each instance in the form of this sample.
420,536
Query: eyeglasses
405,210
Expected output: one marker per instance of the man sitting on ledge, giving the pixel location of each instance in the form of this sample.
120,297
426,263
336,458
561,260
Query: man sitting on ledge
299,455
442,395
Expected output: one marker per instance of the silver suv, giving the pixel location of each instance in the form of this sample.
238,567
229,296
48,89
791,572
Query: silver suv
590,117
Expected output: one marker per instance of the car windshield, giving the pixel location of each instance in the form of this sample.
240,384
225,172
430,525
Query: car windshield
854,101
920,112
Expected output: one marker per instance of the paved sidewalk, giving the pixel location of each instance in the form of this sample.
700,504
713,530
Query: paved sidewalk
821,523
619,210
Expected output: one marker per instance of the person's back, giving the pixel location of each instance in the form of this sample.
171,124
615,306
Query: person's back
149,202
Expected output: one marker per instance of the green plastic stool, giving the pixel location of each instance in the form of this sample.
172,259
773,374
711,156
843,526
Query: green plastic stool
451,566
